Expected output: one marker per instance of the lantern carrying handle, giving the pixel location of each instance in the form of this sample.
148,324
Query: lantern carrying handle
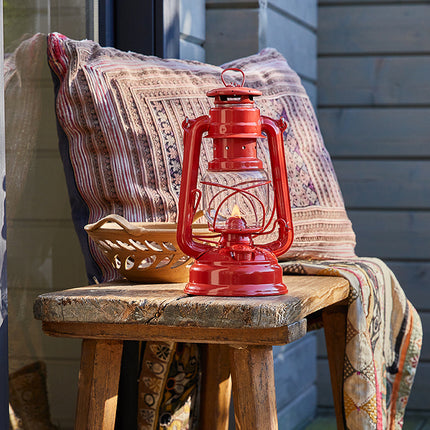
234,69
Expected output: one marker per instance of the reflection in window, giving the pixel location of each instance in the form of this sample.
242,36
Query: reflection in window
43,252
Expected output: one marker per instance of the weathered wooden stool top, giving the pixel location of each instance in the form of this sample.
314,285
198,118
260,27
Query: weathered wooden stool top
125,310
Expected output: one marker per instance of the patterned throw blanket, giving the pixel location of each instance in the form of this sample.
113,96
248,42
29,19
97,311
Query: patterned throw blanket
383,341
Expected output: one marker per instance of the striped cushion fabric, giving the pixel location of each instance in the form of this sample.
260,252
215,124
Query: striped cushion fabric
120,118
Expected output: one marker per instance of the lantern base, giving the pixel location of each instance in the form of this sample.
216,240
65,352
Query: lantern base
221,272
235,290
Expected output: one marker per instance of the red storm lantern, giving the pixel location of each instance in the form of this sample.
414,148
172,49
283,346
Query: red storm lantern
237,196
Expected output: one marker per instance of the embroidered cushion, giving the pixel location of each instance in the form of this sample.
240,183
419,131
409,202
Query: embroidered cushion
120,118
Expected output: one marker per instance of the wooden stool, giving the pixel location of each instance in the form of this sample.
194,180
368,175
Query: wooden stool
238,334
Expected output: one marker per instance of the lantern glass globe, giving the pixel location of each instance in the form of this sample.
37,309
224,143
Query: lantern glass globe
230,194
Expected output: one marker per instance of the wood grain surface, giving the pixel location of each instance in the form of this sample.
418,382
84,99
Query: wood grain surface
215,391
253,382
334,320
254,336
98,384
168,305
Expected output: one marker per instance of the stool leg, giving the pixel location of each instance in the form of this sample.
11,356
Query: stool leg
334,321
253,387
216,387
98,384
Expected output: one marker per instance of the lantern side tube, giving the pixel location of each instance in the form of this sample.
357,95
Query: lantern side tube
274,130
193,133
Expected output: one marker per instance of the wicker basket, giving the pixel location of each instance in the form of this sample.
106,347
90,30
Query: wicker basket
142,251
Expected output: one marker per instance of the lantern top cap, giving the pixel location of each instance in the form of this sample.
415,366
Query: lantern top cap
233,90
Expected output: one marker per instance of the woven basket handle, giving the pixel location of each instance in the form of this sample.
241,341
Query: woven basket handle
122,222
197,215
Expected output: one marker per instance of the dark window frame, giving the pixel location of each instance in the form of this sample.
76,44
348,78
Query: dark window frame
149,27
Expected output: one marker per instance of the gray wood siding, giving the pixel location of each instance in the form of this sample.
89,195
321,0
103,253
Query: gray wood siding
381,184
374,81
374,28
376,133
374,112
241,28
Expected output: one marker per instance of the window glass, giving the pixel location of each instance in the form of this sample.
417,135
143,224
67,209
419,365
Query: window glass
43,251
